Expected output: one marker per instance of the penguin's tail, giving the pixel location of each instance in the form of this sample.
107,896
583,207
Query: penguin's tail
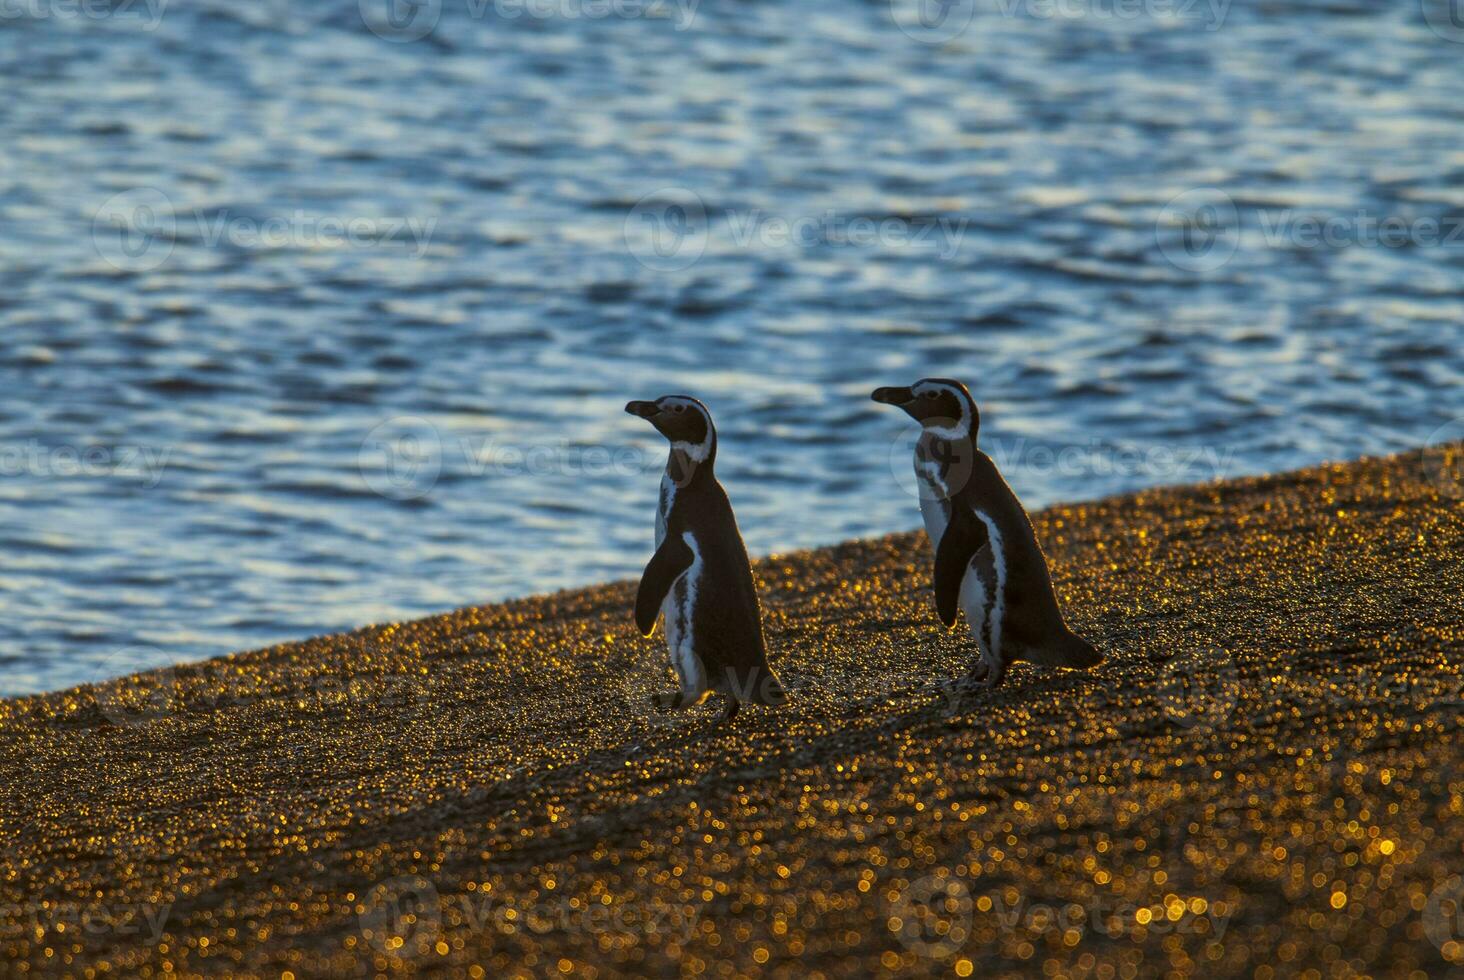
768,689
1068,650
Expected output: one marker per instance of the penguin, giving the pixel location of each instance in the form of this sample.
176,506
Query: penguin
700,577
987,560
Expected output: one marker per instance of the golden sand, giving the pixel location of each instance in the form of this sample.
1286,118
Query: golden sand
1263,779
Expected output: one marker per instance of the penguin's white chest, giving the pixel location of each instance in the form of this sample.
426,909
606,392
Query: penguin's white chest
679,608
663,508
932,500
983,610
934,513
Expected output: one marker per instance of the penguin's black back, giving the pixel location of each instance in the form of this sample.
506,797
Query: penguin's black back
726,619
1033,626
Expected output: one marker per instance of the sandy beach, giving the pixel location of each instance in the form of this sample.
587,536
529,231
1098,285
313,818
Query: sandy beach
1264,778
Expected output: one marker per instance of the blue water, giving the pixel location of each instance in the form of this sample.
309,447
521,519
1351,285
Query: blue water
303,327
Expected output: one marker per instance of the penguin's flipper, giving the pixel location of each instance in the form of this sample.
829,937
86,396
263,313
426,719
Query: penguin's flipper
963,537
665,566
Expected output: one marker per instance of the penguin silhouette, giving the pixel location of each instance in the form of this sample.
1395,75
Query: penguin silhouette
987,559
700,577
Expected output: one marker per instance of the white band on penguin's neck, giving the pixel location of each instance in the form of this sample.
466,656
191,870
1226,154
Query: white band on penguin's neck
697,452
961,430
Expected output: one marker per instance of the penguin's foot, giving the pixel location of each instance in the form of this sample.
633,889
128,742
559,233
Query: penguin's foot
667,700
985,675
733,706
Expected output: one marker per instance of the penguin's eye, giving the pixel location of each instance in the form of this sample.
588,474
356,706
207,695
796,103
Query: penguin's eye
678,409
932,394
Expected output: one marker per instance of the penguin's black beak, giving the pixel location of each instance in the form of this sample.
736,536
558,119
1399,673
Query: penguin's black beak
644,409
893,396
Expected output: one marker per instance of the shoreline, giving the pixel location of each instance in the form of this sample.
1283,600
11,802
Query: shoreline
1001,453
280,638
1262,773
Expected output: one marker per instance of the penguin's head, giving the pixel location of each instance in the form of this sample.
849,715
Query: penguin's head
940,405
681,419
